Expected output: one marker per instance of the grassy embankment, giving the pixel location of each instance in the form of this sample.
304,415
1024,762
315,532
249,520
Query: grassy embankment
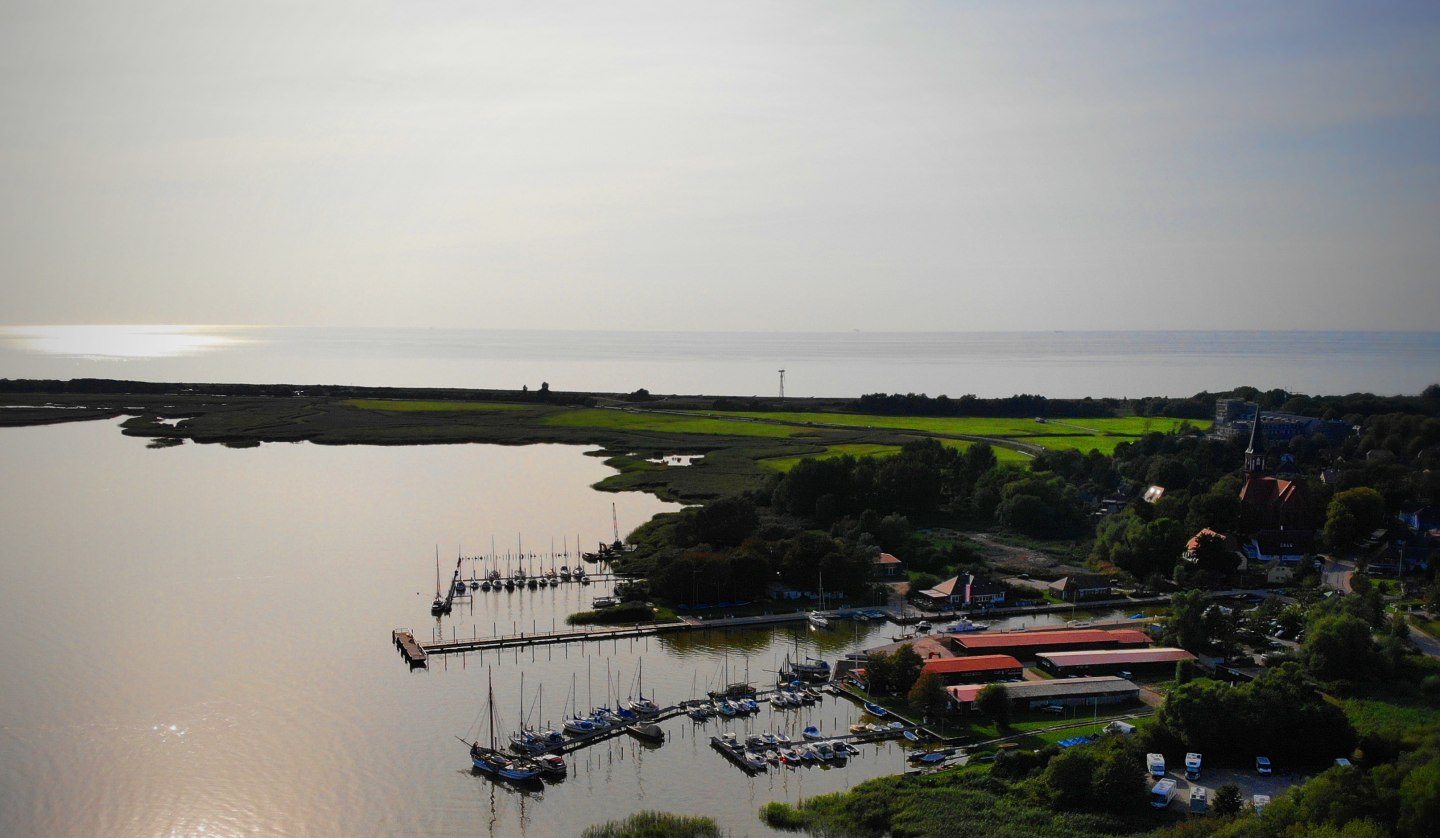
742,450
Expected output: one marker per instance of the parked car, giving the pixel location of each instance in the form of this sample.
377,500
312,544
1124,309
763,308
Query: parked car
1263,767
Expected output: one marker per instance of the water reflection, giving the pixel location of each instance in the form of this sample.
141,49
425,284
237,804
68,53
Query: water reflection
122,342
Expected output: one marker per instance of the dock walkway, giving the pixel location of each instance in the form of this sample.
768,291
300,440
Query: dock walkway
582,634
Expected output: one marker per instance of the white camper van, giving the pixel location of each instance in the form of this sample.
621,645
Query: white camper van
1192,766
1162,793
1199,799
1156,764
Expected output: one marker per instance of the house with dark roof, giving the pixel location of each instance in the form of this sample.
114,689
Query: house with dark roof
1082,587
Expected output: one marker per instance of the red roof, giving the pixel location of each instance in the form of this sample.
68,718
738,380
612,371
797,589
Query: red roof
886,558
1074,637
977,663
1116,657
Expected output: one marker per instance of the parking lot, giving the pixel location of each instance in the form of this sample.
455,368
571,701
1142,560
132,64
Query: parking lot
1249,782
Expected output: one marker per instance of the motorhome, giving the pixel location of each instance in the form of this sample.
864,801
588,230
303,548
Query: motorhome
1156,764
1162,793
1192,766
1259,802
1199,799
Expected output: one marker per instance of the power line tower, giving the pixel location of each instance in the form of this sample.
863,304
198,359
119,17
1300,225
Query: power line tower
782,384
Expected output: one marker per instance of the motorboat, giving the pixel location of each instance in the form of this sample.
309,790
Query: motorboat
811,732
646,730
552,765
876,710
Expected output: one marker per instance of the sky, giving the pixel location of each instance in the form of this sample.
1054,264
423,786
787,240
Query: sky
766,166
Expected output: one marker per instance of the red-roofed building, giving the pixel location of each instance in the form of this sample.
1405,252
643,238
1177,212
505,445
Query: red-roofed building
973,669
887,566
1025,645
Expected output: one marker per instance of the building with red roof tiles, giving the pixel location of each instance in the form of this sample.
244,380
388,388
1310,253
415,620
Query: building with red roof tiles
1025,645
973,669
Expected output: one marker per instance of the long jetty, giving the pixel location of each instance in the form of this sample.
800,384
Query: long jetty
416,652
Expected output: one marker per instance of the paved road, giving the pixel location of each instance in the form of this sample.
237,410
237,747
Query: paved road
1425,642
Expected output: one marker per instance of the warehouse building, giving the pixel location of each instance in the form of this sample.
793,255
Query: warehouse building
1111,661
973,669
1025,645
1067,692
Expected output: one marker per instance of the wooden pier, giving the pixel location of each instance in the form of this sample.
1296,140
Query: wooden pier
412,651
581,634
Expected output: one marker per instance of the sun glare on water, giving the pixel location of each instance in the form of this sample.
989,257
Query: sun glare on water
121,342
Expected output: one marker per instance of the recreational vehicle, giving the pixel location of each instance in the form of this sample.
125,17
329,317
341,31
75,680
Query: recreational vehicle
1192,766
1156,764
1162,793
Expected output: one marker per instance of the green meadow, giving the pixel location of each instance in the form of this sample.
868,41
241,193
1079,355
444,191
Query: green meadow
405,406
859,449
624,420
1126,426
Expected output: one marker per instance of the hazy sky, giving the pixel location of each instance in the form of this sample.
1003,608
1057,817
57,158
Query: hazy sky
725,165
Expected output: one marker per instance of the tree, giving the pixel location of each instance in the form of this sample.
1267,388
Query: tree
1339,647
1352,514
908,664
994,701
928,697
1227,800
1186,628
1069,777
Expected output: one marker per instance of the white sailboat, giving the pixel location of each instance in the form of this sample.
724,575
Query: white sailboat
817,619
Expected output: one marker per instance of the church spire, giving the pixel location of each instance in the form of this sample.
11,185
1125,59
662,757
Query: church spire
1255,453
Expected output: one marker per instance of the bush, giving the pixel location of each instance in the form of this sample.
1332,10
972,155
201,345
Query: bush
622,614
783,816
656,825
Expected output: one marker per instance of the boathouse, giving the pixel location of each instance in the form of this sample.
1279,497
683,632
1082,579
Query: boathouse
1025,645
1111,661
1066,692
977,668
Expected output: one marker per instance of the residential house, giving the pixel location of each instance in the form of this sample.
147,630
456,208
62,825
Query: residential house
968,591
886,566
1082,587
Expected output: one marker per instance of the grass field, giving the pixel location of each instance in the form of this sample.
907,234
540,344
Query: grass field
1083,444
1394,717
854,450
1131,426
400,406
621,420
1002,454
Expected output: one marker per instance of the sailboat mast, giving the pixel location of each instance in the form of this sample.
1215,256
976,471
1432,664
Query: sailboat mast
490,698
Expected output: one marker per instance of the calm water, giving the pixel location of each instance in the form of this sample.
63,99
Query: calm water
988,364
197,643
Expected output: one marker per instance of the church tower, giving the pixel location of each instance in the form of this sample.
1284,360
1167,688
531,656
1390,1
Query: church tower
1255,453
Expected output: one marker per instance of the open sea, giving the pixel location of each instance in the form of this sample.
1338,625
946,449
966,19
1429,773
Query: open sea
841,364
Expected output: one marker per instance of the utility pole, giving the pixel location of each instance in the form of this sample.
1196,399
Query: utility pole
782,384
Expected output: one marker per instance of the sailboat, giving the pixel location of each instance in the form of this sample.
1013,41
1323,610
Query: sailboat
492,761
645,707
817,619
438,606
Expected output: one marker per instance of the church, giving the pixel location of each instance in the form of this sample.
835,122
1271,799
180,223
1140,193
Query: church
1277,522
